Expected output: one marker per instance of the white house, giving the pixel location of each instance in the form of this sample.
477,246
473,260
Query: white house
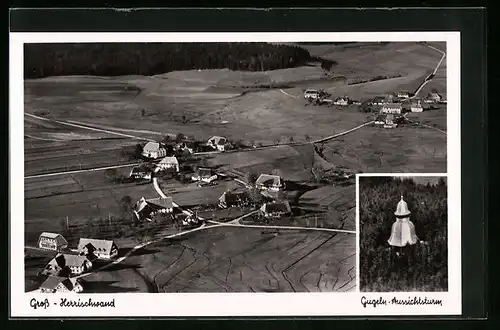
56,284
146,208
403,95
275,209
392,108
168,163
311,94
52,241
343,100
218,142
435,97
140,172
416,107
102,249
269,182
204,175
154,150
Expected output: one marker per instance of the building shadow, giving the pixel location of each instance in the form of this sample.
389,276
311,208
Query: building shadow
104,287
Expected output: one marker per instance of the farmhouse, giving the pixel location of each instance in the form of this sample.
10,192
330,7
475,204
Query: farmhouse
140,172
187,220
168,163
275,209
403,94
311,94
435,97
52,241
56,284
218,142
379,100
102,249
154,150
205,175
343,100
416,107
269,182
392,108
76,264
185,146
146,208
230,199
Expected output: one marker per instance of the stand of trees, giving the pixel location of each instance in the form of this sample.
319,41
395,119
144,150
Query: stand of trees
421,267
115,59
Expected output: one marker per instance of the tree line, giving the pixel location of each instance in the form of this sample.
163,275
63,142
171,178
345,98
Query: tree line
115,59
421,267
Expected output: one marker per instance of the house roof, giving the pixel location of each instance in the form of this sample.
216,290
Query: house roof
392,105
205,172
282,207
169,160
70,260
52,282
269,180
58,237
379,98
99,244
217,140
151,146
160,202
233,197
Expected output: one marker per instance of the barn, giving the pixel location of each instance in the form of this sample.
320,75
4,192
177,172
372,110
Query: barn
52,241
100,248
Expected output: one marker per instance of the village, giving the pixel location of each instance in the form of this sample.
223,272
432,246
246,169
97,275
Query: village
176,160
214,181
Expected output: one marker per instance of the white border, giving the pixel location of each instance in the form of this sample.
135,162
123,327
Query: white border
226,304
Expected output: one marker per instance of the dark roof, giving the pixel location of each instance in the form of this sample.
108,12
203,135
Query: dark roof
233,197
281,207
160,202
53,281
98,244
70,260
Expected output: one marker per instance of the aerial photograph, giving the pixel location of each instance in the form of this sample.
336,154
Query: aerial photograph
216,166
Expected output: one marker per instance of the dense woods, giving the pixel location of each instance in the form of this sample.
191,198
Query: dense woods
114,59
421,267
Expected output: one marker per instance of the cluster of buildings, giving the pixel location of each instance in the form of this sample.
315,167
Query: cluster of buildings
319,96
62,269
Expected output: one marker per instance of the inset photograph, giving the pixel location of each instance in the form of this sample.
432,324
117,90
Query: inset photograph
403,245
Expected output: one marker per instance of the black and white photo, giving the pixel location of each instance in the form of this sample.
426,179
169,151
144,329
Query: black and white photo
403,233
244,169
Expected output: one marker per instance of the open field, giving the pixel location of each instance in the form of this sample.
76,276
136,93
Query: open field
293,163
81,196
243,259
197,102
403,149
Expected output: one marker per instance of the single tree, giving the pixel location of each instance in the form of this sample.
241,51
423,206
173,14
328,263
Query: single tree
251,178
307,137
143,112
291,139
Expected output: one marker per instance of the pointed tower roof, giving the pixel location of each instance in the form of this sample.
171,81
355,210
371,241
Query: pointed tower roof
402,209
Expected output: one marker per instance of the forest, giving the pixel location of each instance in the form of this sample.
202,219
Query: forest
420,267
117,59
